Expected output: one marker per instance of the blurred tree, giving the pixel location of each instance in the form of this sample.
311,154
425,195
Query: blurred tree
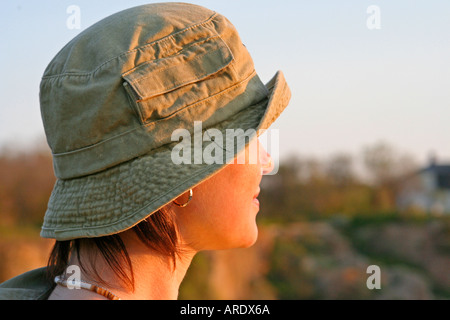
26,181
379,160
340,170
386,168
306,187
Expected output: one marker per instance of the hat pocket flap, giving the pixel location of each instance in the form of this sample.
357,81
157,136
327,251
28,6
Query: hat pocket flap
151,83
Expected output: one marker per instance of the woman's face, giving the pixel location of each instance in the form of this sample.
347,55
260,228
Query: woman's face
222,212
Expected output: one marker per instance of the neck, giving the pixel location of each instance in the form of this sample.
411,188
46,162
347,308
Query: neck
155,277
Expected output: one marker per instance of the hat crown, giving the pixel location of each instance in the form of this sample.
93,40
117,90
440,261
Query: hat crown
124,31
121,87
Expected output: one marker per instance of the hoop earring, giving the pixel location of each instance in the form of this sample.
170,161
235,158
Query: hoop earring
182,205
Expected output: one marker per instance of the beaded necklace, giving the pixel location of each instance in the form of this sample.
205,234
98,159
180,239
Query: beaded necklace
87,286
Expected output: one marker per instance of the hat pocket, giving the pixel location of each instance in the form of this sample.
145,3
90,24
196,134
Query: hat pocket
162,87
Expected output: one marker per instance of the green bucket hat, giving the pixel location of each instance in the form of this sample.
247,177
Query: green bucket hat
112,98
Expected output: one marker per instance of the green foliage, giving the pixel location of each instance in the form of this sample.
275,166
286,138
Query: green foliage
287,274
325,225
195,283
26,183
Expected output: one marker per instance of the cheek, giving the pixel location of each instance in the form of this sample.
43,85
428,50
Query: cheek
223,214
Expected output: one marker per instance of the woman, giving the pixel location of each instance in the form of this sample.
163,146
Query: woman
134,199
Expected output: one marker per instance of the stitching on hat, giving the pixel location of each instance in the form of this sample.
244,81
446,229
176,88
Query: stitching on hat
255,105
166,38
171,36
169,56
175,85
218,94
55,230
68,153
139,152
178,53
133,103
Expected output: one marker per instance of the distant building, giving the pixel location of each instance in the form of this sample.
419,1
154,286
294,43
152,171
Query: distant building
426,190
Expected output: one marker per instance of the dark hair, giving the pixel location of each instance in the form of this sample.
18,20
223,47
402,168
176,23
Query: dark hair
158,232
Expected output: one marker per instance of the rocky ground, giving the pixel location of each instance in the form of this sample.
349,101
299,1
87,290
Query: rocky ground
301,260
329,260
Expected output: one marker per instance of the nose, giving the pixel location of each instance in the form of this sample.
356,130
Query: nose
266,161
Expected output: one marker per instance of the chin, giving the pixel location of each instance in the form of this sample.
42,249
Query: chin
250,238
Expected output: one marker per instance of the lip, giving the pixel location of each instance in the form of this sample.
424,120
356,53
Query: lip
255,197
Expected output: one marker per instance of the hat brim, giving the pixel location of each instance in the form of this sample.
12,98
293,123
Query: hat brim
118,198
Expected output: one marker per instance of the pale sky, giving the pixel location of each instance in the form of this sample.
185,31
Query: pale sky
351,86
